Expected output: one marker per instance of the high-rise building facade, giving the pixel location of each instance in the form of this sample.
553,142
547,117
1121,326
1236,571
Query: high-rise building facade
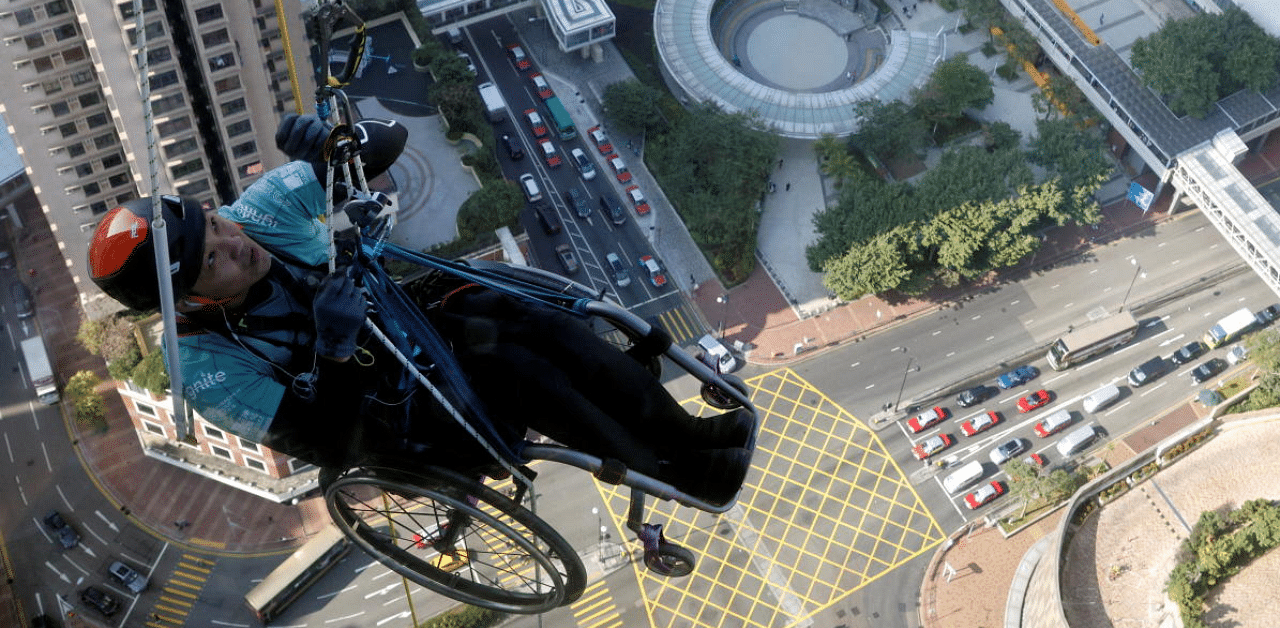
219,81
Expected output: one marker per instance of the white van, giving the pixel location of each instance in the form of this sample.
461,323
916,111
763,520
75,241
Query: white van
1076,440
718,354
530,188
963,477
1101,398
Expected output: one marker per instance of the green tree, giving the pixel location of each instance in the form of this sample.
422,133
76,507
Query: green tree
633,106
82,384
496,204
451,69
1187,63
875,266
888,130
954,86
1001,136
151,374
1060,484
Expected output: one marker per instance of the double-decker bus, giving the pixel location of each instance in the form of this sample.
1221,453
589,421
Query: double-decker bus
560,118
300,570
1081,344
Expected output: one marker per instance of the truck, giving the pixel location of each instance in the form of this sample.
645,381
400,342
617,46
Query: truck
494,105
1230,328
40,370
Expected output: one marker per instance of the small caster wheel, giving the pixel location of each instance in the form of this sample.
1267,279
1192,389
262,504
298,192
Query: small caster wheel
720,399
670,560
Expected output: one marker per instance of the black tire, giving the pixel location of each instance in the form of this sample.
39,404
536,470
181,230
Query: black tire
670,560
719,399
514,563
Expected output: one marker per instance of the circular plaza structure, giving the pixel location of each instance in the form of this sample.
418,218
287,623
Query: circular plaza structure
799,66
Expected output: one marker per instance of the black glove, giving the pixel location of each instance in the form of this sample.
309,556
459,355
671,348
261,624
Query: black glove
302,137
339,310
362,212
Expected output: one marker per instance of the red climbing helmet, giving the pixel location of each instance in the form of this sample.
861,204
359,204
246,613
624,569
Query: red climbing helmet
122,254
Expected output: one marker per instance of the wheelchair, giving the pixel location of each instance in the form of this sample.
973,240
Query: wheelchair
452,531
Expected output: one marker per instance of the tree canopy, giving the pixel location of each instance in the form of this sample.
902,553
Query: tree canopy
633,106
954,86
887,130
1194,62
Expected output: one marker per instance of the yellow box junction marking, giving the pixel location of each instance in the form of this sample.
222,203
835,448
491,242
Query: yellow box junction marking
824,512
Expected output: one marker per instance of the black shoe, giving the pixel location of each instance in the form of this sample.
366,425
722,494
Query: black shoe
731,429
714,475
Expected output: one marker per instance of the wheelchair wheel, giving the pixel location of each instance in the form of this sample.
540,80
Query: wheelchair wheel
719,399
670,560
457,537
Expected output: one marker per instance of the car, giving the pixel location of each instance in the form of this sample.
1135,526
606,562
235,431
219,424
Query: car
568,260
547,218
1017,377
638,200
1268,315
1033,401
975,395
983,495
1004,452
514,150
1189,352
1237,354
536,124
1149,371
518,57
650,266
128,576
931,445
583,164
621,276
67,535
980,423
1052,424
541,86
610,205
922,421
601,140
619,168
529,185
100,600
550,153
471,67
20,296
577,199
1036,460
1208,369
716,355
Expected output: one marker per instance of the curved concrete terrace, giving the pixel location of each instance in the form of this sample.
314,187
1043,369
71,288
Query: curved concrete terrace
692,61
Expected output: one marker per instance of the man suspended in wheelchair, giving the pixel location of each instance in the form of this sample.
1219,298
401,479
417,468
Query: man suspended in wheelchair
274,349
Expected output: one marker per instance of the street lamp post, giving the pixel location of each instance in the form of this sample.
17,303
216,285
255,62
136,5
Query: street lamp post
1137,271
905,371
604,530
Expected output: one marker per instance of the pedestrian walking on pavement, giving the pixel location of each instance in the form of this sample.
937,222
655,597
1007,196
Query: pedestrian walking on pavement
788,186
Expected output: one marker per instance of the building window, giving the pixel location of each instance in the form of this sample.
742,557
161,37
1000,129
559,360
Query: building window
256,465
227,84
111,161
92,189
117,180
34,40
90,99
233,107
60,109
51,87
176,125
209,13
24,16
144,408
180,147
165,104
98,207
124,198
247,148
222,61
126,8
221,452
194,189
249,170
74,55
213,432
43,64
164,79
96,120
216,38
298,466
85,169
181,171
155,30
65,31
81,77
105,140
67,129
248,445
158,54
58,7
75,150
238,128
153,428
